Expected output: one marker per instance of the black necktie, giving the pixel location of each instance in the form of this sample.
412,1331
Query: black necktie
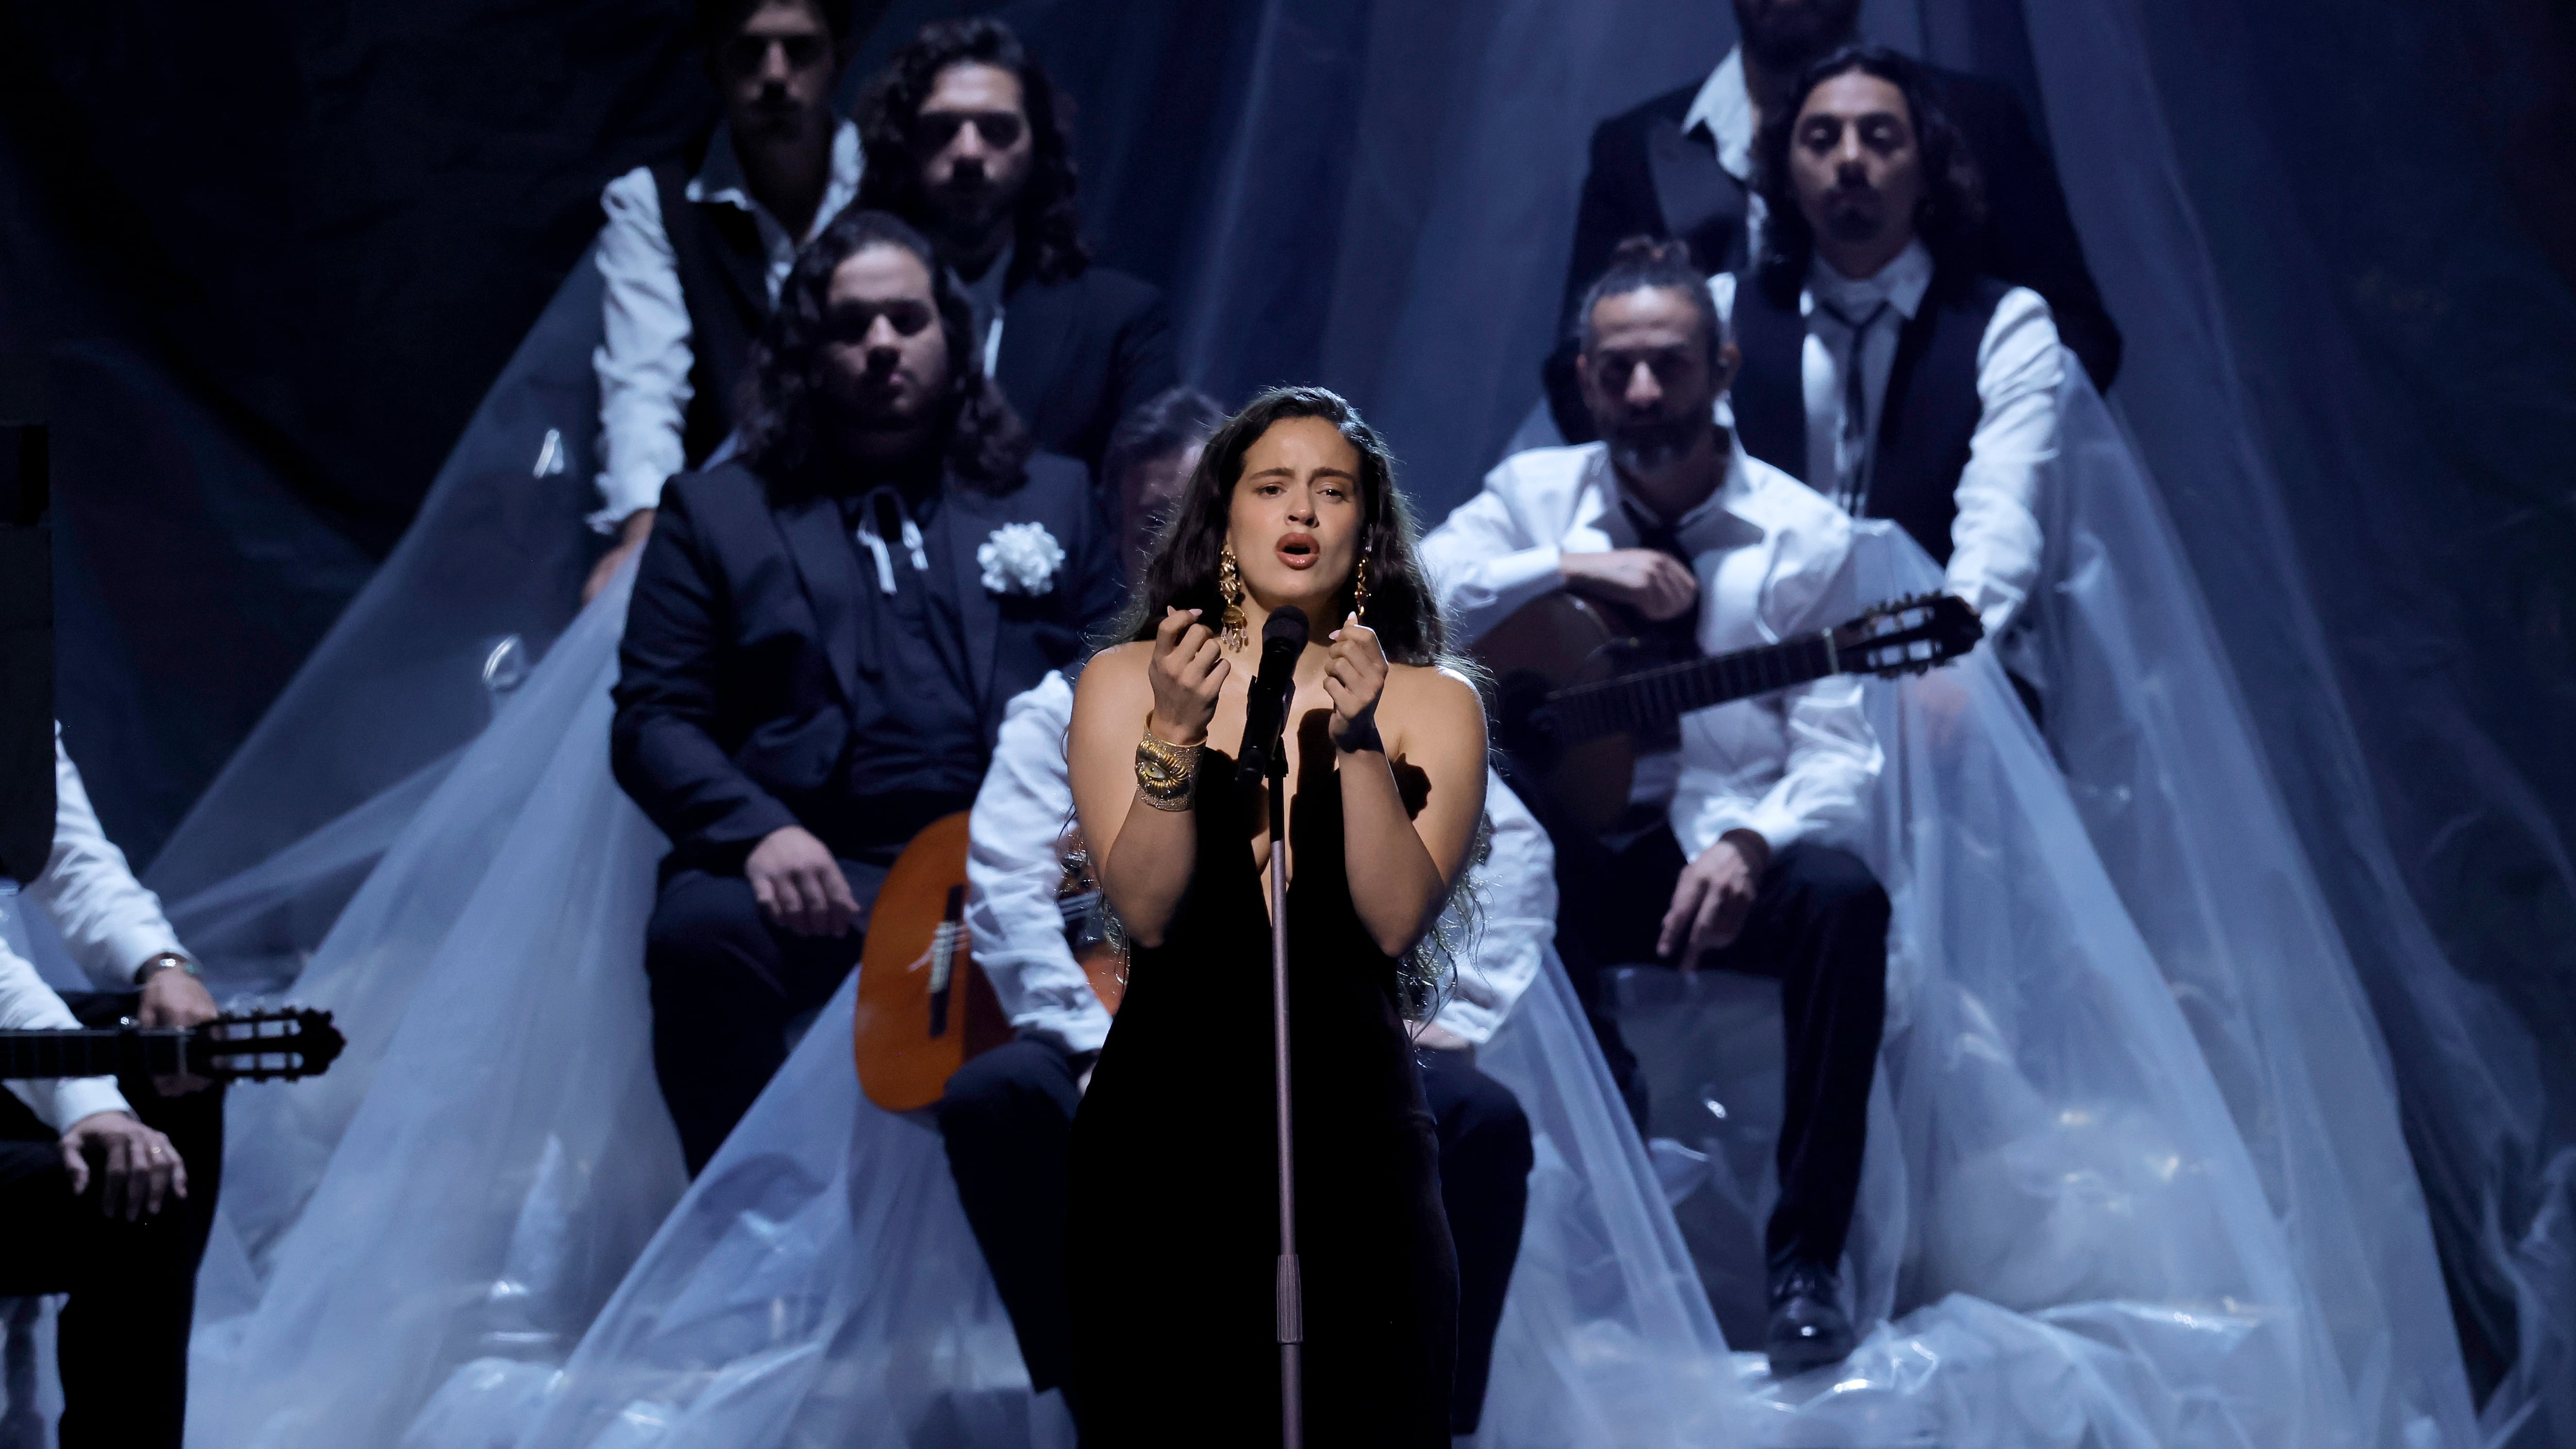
1851,452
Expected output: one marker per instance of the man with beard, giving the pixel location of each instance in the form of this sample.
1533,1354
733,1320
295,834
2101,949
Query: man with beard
697,244
966,139
824,634
1726,857
1683,165
1879,365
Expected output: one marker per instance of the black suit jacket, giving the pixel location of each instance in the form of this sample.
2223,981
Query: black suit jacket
1647,178
1080,354
743,644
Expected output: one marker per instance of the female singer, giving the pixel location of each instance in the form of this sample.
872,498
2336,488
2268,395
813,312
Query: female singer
1175,1160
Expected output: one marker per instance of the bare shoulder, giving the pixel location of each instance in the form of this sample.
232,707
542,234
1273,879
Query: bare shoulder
1114,681
1427,696
1116,669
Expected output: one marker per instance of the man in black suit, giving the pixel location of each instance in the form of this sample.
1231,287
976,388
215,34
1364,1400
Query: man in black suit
1682,165
966,140
823,636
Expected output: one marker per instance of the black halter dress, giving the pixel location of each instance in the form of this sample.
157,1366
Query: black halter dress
1175,1218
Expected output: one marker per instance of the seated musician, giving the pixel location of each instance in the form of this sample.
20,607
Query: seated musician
824,633
1008,1115
1725,857
1881,365
107,1185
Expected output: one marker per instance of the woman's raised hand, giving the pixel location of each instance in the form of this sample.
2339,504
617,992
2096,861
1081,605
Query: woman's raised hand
1354,679
1189,668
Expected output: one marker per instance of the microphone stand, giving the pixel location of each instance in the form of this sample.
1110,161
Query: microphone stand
1290,1299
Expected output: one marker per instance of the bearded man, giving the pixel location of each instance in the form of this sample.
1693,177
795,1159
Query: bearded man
1684,165
824,633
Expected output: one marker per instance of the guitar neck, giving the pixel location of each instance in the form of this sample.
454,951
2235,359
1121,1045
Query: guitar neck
26,1055
1655,697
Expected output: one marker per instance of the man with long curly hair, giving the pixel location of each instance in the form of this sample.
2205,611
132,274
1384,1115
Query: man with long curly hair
1882,364
1682,166
824,634
967,139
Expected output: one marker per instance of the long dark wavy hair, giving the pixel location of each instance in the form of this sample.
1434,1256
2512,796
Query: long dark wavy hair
1049,231
1181,571
785,436
1953,209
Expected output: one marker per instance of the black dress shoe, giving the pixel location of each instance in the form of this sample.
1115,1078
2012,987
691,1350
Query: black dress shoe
1809,1329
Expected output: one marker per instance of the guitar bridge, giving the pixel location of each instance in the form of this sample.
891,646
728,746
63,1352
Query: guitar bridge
943,959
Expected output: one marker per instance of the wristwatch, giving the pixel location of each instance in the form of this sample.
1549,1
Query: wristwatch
165,961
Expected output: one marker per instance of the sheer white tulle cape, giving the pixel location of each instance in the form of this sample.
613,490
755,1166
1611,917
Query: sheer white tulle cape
2130,1087
482,1166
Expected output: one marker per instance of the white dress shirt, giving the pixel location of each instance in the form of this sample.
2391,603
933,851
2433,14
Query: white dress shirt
1772,558
643,365
1014,865
1725,108
108,922
1995,542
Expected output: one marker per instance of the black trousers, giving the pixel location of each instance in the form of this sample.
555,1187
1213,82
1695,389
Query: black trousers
1008,1121
726,984
1819,927
122,1339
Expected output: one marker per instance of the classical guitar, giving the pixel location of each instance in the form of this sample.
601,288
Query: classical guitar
924,1008
1572,688
254,1046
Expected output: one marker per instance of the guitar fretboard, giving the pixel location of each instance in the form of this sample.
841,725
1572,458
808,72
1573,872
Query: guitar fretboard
1653,697
26,1055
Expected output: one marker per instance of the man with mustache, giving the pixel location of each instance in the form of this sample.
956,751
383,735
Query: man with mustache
1682,165
825,631
1880,365
1728,856
966,139
696,246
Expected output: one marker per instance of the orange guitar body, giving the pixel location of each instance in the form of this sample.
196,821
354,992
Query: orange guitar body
924,1009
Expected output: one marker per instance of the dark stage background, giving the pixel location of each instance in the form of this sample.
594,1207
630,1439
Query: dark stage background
278,250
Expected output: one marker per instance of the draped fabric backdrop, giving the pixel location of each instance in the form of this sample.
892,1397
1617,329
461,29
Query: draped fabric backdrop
278,250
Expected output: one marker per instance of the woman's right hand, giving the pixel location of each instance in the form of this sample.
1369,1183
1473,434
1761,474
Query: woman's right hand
1189,669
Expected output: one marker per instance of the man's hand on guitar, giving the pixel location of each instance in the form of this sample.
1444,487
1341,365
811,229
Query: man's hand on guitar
172,997
139,1169
1189,669
799,885
1712,898
1650,581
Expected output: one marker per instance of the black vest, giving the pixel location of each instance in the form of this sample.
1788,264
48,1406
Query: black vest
1925,424
724,278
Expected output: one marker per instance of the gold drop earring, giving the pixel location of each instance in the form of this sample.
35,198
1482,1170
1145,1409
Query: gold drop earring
1359,589
1229,587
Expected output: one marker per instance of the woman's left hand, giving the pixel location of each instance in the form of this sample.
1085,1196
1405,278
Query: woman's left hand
1354,680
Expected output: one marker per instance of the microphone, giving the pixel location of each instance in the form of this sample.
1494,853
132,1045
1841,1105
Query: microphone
1283,638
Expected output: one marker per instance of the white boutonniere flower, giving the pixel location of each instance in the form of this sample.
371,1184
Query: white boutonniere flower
1020,558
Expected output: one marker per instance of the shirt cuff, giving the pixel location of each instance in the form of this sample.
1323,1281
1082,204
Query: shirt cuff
1077,1030
81,1097
1778,827
1699,824
1473,1022
129,947
625,498
1499,585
